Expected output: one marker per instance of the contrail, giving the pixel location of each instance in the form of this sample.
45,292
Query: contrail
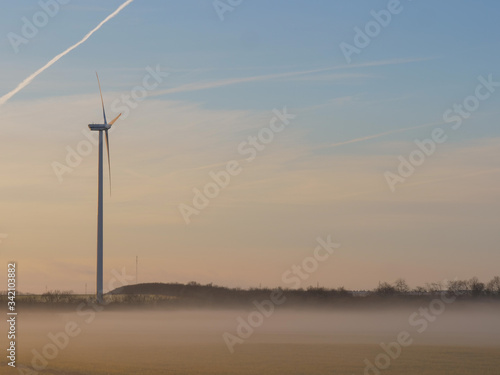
379,135
30,78
472,174
448,178
234,81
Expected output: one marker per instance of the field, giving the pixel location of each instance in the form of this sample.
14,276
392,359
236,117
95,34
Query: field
310,359
289,342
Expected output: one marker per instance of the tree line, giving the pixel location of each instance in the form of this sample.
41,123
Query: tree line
471,287
198,295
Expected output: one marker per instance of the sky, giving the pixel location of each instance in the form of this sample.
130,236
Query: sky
363,83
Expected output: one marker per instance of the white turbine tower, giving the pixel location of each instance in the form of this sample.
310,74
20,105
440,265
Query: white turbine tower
101,128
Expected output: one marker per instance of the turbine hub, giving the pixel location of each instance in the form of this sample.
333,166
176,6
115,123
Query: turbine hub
97,127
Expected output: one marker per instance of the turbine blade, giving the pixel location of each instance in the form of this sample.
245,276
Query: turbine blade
116,118
109,161
102,101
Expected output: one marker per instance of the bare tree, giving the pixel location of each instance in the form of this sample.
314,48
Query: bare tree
401,286
434,288
458,287
385,289
476,287
493,286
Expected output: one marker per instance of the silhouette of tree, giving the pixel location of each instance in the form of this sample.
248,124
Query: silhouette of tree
401,286
434,288
476,287
458,287
493,286
385,289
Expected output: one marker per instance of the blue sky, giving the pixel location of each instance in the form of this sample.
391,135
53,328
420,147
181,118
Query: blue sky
455,40
264,55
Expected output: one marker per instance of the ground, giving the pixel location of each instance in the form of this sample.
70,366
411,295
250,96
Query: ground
292,343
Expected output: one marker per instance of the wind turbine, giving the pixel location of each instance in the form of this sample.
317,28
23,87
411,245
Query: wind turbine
101,128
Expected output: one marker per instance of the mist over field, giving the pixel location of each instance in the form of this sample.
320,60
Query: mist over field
460,325
188,341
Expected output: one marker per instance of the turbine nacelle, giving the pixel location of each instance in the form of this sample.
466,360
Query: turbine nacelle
105,126
98,127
